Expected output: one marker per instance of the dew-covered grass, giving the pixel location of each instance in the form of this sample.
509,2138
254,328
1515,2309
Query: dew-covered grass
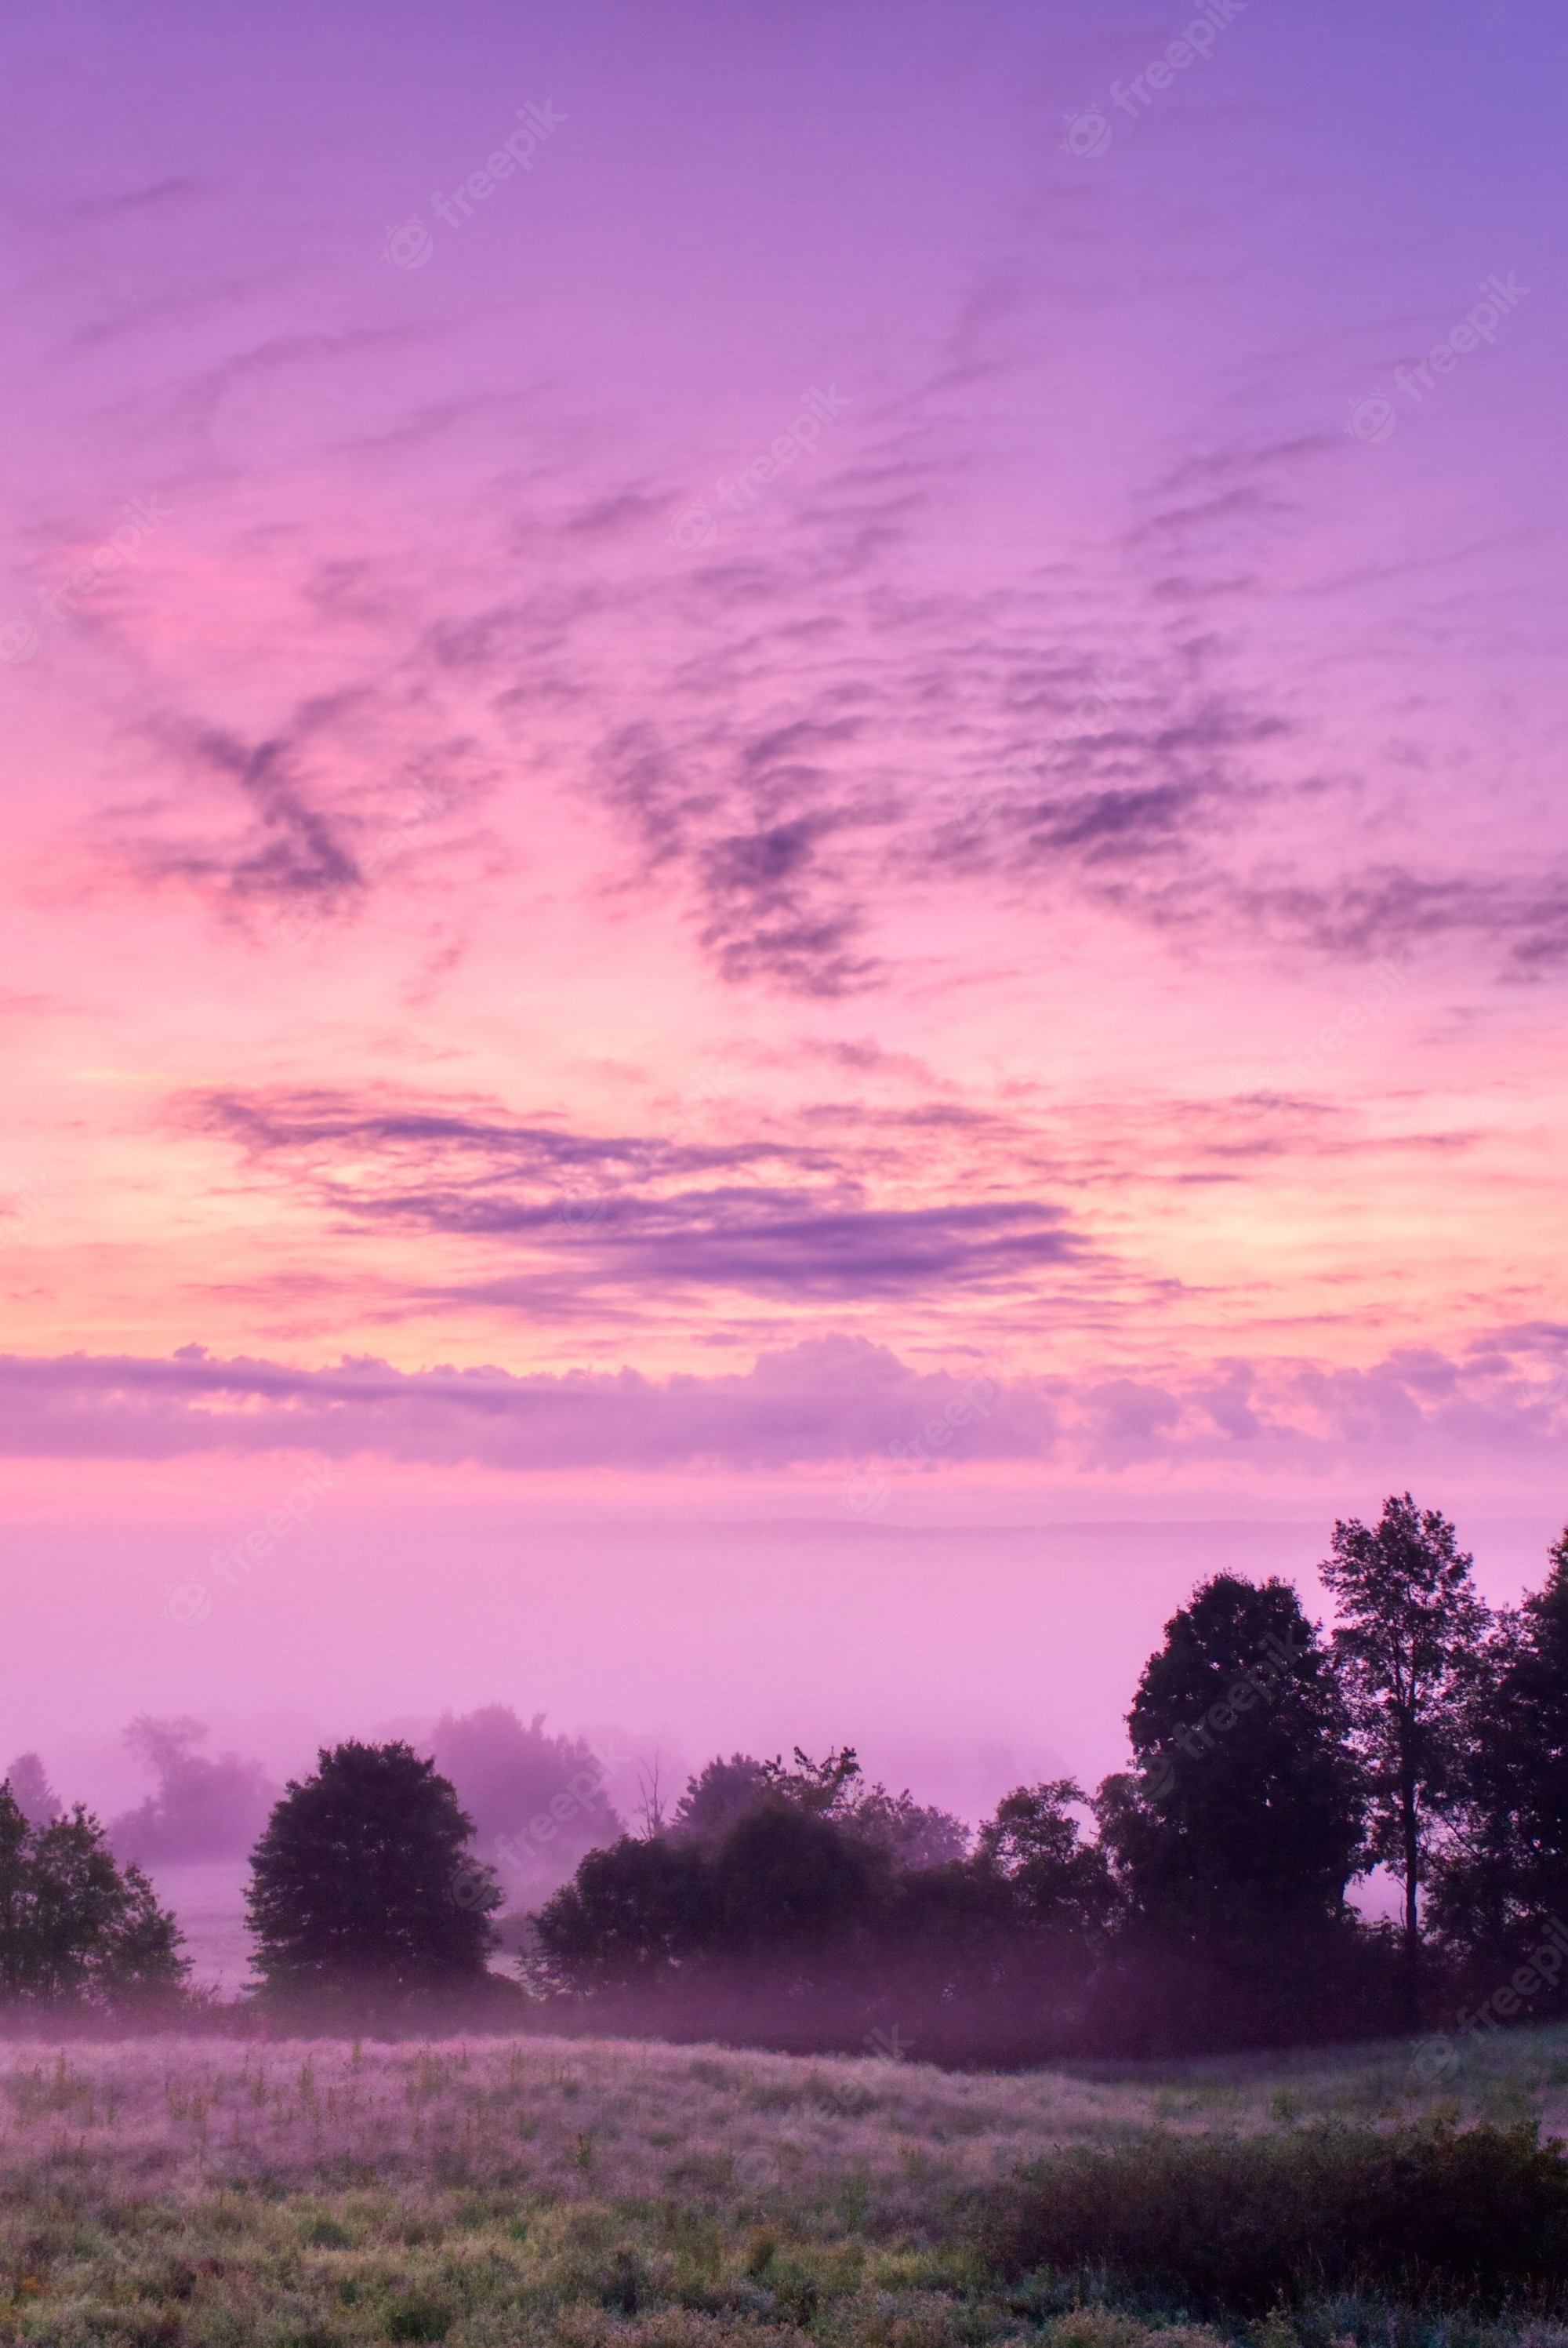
320,2193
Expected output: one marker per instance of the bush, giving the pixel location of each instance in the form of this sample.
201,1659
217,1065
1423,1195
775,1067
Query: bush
1235,2226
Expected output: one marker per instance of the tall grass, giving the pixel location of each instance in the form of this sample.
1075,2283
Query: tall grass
320,2194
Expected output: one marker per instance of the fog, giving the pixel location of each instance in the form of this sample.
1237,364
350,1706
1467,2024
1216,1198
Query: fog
960,1660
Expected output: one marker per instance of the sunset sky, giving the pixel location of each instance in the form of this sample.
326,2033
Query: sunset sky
803,869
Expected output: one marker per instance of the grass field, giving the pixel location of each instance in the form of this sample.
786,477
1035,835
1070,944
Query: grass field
319,2195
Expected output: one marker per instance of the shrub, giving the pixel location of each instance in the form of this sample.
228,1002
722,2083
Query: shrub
1238,2225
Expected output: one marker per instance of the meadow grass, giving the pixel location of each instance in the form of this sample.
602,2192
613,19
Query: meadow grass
170,2193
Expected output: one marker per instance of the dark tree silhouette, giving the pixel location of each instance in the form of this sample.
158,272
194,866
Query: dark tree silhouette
719,1794
1232,1844
631,1912
724,1792
73,1925
362,1882
1059,1883
1409,1646
789,1883
1502,1875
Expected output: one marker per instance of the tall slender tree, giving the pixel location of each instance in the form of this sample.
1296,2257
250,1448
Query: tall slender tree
1410,1644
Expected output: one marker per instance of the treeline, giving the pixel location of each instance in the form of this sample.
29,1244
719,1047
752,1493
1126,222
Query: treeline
1198,1900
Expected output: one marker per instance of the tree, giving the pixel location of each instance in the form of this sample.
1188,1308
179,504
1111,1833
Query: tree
31,1790
203,1808
1232,1846
791,1883
1411,1643
629,1916
911,1833
1248,1820
1059,1882
538,1801
361,1882
720,1793
73,1926
1502,1875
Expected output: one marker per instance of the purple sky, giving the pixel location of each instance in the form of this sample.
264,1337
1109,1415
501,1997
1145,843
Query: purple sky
761,857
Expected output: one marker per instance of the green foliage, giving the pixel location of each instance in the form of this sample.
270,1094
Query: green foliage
361,1883
1235,2226
73,1927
